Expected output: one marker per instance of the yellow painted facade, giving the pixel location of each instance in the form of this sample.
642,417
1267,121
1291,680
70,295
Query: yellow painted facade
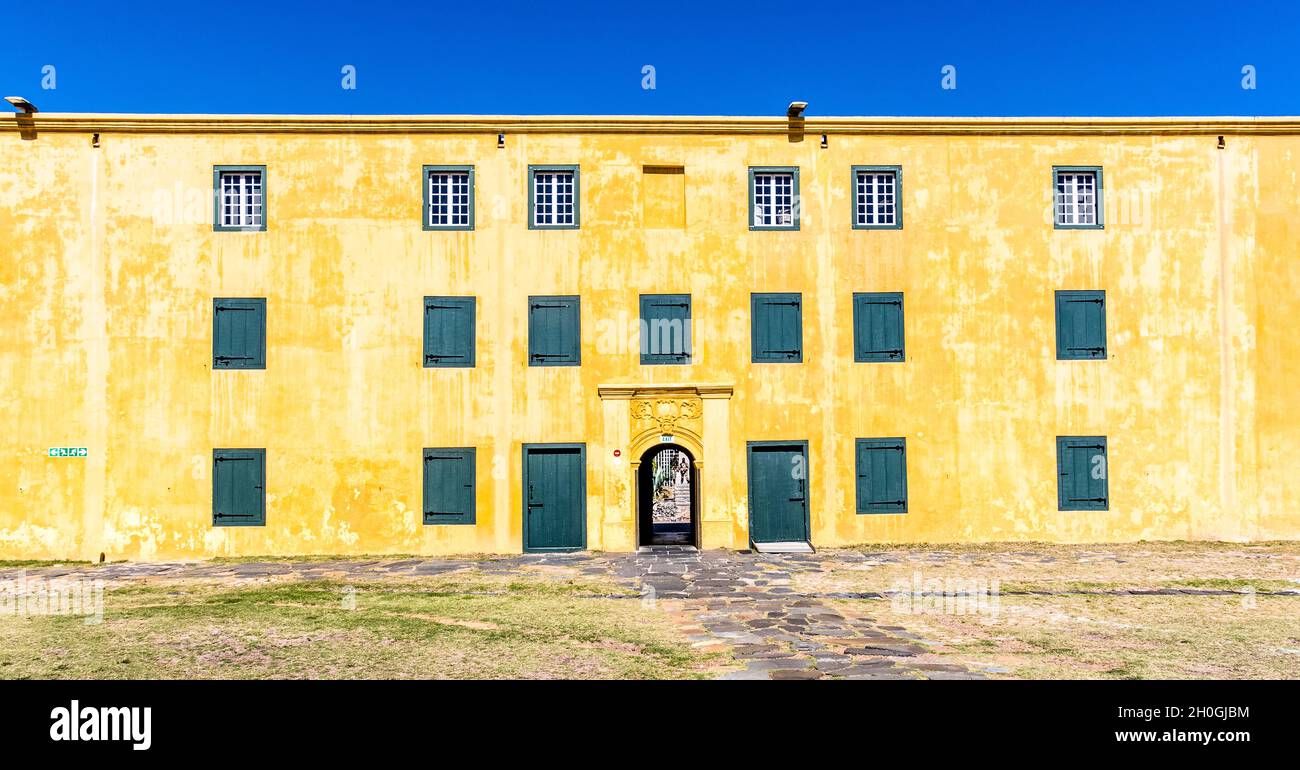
110,265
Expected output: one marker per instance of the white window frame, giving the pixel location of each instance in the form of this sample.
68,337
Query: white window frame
1077,202
877,197
553,197
448,197
240,198
773,198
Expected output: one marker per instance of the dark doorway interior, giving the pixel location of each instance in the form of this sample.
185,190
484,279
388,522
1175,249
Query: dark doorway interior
667,497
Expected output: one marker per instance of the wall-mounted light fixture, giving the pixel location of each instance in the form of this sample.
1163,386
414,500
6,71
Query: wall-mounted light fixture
94,140
501,141
825,143
1221,143
21,104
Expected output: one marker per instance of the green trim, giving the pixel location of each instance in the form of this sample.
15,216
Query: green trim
860,354
424,186
432,359
582,495
767,357
216,200
795,201
1081,442
898,197
465,454
1101,202
898,443
535,357
749,478
577,196
257,519
1080,354
670,358
229,304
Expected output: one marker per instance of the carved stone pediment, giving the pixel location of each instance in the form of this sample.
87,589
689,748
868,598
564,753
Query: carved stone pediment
667,413
658,410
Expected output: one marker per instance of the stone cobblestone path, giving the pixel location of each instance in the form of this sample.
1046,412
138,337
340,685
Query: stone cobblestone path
743,603
746,603
722,600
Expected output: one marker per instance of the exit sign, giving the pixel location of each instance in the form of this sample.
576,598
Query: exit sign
68,451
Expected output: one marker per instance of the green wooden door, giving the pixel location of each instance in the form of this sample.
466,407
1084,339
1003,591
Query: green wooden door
778,491
555,497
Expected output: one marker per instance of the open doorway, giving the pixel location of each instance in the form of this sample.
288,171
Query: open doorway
667,497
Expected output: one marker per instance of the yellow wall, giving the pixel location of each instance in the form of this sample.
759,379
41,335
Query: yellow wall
110,266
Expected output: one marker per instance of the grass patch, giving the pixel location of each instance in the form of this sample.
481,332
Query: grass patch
38,563
1118,637
329,557
1095,629
1098,567
517,628
1041,548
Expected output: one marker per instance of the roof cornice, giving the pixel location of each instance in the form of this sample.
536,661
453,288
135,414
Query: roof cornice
569,124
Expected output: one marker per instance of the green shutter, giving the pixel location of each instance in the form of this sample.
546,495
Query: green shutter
1080,325
449,331
238,487
449,478
554,331
665,329
878,326
239,333
1083,469
882,475
776,334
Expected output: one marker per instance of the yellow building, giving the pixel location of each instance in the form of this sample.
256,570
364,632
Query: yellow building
424,334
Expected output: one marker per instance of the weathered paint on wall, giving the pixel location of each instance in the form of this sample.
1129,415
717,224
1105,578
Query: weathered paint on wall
111,263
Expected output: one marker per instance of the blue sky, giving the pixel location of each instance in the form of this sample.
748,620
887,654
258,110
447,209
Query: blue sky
727,58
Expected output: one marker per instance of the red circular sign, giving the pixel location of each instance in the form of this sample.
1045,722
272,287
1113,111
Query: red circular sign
618,453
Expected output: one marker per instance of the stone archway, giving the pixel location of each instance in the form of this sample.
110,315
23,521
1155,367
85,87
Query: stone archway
668,497
638,418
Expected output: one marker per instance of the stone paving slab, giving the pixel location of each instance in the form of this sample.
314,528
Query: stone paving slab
743,603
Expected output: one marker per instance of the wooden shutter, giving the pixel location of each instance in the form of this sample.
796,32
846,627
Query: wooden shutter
239,333
777,328
238,487
878,326
1080,325
449,331
1083,469
554,331
665,329
449,478
882,475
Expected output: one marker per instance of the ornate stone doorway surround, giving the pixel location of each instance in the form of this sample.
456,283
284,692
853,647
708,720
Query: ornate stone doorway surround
693,416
